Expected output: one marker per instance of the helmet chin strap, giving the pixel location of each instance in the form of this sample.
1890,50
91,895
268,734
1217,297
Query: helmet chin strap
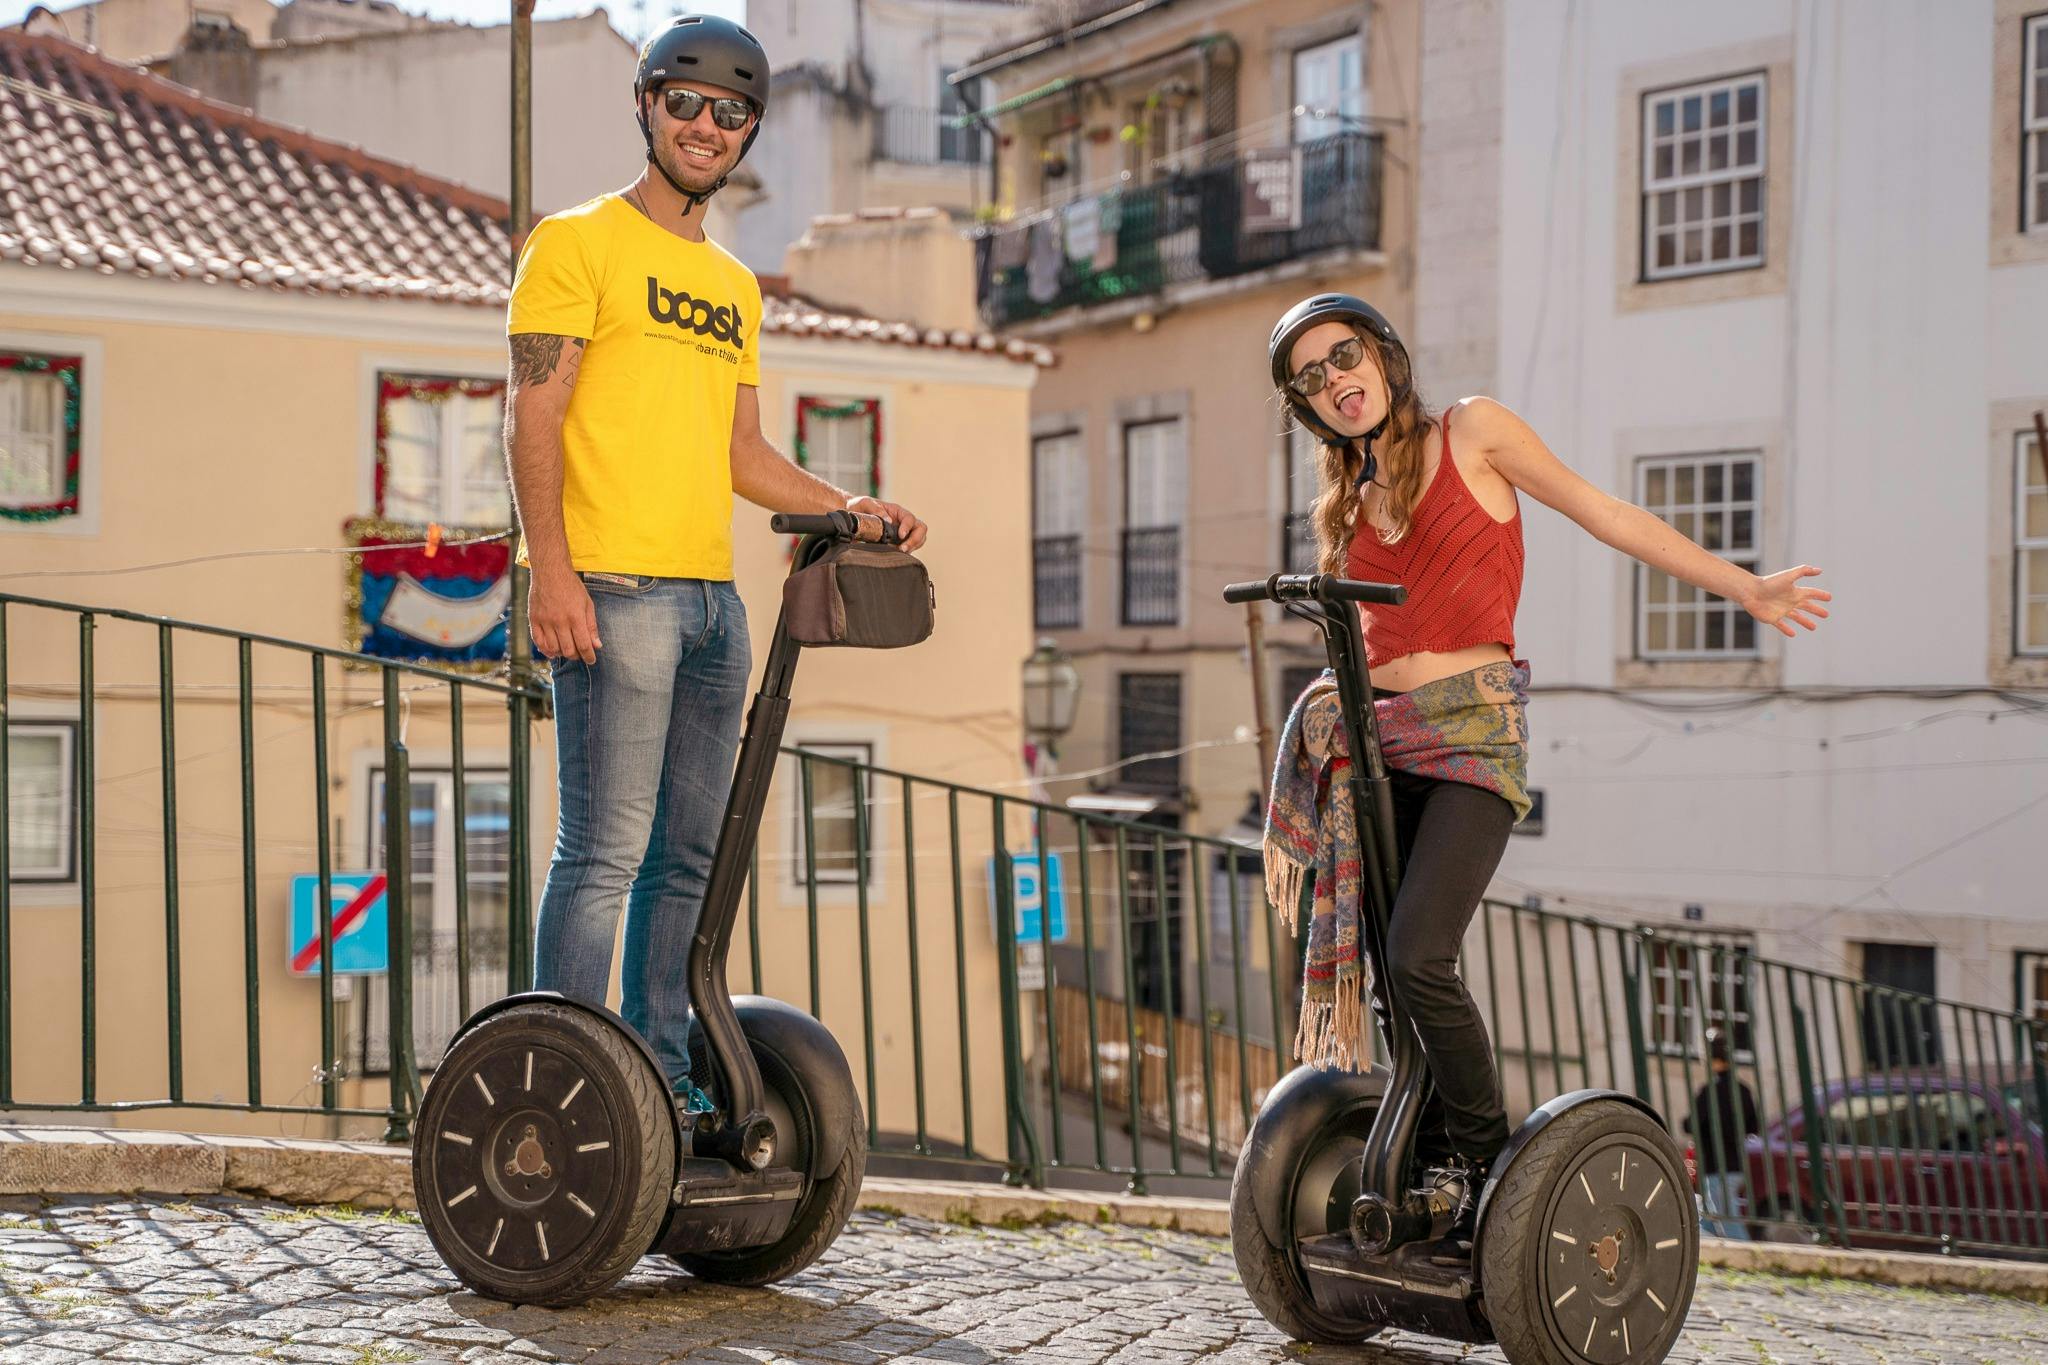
697,198
1371,466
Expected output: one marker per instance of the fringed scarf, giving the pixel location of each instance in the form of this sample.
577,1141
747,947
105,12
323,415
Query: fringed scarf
1471,727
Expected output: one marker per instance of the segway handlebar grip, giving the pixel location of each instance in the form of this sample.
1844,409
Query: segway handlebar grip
842,525
1289,587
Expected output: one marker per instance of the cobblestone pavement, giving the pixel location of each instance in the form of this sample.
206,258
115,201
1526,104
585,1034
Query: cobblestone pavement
233,1280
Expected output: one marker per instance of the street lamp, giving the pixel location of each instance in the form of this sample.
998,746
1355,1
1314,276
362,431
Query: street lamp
1052,687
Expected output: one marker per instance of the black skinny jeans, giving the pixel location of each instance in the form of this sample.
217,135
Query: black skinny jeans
1451,836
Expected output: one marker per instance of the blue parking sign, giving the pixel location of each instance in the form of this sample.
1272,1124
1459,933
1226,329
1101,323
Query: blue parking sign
1032,901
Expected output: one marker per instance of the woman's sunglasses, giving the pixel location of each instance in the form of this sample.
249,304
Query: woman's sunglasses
684,105
1345,355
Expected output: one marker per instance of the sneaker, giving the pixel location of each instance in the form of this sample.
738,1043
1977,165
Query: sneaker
690,1101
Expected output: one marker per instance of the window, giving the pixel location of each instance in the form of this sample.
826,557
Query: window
1297,534
1155,491
1294,680
1148,722
2030,985
2034,129
441,450
1059,499
39,405
1696,984
42,801
2030,546
1898,1029
1165,135
486,833
840,440
1329,88
1713,500
1703,178
835,821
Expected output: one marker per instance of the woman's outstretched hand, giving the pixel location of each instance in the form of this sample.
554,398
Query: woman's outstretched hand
1780,600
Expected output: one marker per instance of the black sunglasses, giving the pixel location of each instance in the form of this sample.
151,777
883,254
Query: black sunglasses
684,105
1345,355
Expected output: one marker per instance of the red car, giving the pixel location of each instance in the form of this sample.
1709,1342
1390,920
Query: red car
1916,1161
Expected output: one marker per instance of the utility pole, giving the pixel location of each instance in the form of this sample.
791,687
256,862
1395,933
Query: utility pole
1255,630
518,643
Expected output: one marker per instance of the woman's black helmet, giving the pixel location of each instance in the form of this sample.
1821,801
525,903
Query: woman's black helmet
1321,308
703,47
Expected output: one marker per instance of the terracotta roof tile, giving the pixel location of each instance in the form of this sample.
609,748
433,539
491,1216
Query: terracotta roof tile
106,167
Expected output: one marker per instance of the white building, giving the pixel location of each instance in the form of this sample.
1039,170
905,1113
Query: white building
1780,272
861,113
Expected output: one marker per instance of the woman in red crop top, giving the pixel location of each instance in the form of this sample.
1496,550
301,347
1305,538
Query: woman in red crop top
1430,500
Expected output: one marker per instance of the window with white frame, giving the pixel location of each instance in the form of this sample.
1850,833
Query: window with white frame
841,791
1329,87
1713,501
1059,501
2030,546
839,440
1155,498
441,450
42,801
2034,130
1703,178
957,145
39,436
1696,984
2030,980
486,833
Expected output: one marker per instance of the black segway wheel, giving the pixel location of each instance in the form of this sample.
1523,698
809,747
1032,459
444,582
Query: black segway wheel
1323,1180
1591,1244
804,1092
544,1155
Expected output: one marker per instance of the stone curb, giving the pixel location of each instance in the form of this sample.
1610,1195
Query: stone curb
40,1160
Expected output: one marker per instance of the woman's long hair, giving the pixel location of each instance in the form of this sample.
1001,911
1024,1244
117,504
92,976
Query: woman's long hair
1401,457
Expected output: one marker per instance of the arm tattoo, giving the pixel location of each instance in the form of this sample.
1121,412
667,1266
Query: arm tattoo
575,363
534,355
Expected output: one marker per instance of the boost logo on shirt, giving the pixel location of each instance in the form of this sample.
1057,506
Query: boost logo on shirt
693,315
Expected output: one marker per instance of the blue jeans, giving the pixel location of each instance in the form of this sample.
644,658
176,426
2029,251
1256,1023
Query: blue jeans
1722,1195
644,742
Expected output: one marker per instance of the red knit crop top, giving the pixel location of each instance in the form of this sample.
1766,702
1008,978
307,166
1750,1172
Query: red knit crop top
1462,569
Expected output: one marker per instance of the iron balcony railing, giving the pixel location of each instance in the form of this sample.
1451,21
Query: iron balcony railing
1151,575
1024,989
1056,582
924,137
1184,228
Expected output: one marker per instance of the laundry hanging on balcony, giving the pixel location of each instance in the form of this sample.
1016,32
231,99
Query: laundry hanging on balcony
1042,271
1109,217
1082,223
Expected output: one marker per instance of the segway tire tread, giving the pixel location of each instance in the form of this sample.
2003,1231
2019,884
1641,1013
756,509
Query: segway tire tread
1512,1241
826,1206
652,1113
1273,1279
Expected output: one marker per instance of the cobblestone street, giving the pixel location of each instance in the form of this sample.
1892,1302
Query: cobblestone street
233,1280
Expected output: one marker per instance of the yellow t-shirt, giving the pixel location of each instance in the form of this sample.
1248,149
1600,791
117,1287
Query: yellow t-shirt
674,329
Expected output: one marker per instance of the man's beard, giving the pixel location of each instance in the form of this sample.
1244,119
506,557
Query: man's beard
695,175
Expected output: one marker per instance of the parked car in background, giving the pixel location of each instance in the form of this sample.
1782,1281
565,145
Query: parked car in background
1915,1160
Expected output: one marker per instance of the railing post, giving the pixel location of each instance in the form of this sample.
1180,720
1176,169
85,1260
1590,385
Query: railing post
398,926
1025,1165
518,876
1814,1103
1632,1003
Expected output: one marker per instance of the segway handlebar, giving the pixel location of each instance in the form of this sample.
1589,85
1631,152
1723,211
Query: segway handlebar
1320,587
843,525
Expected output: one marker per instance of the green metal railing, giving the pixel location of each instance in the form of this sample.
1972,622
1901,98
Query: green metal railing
1131,1043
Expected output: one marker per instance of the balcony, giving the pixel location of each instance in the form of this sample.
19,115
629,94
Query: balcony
1187,228
1151,575
1056,582
924,137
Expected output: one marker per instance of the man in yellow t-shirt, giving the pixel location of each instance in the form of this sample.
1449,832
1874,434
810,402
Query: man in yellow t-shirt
633,417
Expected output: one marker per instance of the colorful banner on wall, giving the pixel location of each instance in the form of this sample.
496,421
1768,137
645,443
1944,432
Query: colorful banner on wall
445,603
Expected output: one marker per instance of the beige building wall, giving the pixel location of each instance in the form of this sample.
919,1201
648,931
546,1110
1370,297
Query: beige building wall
222,420
134,30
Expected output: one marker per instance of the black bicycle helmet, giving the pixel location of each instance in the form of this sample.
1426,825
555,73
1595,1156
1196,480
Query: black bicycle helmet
1320,308
702,47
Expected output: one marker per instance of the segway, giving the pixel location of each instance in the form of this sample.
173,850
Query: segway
549,1154
1587,1245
